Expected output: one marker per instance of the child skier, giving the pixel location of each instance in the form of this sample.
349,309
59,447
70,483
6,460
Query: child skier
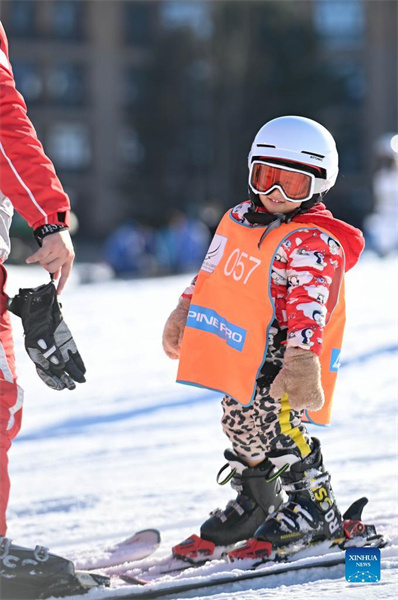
263,323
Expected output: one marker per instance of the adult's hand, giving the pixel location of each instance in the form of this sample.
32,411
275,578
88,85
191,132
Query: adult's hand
56,256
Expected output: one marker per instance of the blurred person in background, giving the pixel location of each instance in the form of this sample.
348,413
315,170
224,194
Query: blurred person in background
381,227
181,243
130,250
29,184
263,323
211,213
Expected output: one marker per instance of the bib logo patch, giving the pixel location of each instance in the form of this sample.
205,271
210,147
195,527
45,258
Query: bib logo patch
214,253
335,360
208,320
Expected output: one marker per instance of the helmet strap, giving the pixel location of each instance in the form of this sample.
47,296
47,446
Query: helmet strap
254,198
316,198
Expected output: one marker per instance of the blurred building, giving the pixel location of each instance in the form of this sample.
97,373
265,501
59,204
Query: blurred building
360,42
79,66
82,66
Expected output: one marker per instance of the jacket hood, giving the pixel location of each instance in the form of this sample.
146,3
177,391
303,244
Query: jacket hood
350,237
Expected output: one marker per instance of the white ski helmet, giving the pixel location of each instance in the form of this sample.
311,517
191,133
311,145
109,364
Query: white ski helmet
300,140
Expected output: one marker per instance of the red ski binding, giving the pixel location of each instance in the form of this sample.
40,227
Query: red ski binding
353,528
194,549
253,549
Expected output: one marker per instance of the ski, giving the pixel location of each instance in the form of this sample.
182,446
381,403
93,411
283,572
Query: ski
140,545
215,573
161,589
196,557
174,567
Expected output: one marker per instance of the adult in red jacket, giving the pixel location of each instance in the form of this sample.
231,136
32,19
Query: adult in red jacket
29,184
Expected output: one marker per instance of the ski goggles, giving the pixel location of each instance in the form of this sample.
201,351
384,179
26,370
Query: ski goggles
295,185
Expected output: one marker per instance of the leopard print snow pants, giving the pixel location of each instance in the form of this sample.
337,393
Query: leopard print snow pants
267,424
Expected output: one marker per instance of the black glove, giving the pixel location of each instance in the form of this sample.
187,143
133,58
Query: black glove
48,340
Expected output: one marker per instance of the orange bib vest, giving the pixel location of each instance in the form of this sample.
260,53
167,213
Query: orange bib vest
226,335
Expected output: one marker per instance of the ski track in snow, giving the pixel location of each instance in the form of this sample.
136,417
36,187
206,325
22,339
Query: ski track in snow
131,449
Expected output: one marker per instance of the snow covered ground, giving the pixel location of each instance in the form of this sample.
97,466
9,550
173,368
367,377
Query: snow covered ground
131,449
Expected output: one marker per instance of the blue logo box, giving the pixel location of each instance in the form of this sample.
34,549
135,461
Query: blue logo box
362,565
208,320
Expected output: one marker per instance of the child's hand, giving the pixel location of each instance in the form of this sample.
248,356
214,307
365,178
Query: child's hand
300,379
174,329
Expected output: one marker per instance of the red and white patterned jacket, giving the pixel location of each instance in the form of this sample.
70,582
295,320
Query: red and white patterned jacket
28,181
302,272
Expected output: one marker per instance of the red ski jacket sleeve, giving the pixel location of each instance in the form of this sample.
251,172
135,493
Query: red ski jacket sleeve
27,175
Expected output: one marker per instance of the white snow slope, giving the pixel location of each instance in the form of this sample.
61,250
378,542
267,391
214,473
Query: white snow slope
131,449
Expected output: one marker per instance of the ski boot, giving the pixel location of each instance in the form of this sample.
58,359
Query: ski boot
29,574
310,514
259,494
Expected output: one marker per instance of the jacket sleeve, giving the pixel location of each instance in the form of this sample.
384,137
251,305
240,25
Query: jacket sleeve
188,292
27,175
314,260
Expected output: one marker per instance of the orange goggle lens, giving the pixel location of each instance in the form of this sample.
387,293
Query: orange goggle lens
296,185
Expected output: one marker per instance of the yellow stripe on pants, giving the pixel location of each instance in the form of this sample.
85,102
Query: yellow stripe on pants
294,433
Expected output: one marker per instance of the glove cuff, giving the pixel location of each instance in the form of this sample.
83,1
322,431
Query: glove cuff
297,352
